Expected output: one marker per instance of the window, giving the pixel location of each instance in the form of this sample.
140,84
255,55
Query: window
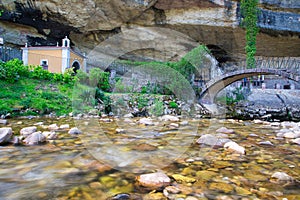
44,64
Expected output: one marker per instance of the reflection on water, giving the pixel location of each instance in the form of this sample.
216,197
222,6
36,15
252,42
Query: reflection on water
101,162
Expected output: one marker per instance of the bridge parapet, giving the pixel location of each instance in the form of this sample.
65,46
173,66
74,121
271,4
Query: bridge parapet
287,63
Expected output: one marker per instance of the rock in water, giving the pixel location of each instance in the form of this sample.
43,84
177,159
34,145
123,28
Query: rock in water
170,118
281,176
212,140
74,131
3,121
35,138
153,181
28,130
225,130
146,121
233,146
53,127
5,135
296,141
64,126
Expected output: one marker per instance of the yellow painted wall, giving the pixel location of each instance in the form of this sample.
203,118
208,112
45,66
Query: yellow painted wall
73,57
54,57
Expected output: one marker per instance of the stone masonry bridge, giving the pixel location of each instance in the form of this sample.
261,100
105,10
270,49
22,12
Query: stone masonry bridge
283,66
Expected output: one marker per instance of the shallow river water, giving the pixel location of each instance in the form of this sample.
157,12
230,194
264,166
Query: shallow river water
107,157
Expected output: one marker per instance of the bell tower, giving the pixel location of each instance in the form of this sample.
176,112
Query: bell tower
66,42
65,54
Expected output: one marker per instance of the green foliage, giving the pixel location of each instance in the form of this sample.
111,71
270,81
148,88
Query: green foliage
58,77
173,104
13,70
100,79
186,66
142,102
82,77
69,76
103,99
250,12
39,73
236,96
122,88
157,109
30,96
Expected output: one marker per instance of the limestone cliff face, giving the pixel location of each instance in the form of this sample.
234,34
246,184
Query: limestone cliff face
211,22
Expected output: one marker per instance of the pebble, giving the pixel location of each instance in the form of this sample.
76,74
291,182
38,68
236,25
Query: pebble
180,178
191,198
53,127
291,135
184,123
120,130
146,121
266,143
225,130
169,118
64,126
39,123
3,121
296,141
281,176
155,180
212,140
174,125
128,115
74,131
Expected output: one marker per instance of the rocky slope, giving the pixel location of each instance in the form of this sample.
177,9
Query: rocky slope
214,23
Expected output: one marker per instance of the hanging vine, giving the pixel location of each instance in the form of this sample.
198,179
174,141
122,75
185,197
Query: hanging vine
250,13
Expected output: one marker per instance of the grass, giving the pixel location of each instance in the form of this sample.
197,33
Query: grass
35,97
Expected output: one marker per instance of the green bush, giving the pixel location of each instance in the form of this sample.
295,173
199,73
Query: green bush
69,76
13,70
39,73
157,109
83,77
173,104
100,79
58,77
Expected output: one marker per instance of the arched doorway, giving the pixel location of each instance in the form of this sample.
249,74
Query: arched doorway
76,66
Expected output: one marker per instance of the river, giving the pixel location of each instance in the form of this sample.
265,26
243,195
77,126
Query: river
107,157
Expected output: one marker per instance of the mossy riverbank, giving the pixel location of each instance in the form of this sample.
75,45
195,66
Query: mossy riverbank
35,97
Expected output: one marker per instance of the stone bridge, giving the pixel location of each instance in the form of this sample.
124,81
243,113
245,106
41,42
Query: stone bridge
285,67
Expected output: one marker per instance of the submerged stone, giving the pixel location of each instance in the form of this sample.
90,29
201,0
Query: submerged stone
153,180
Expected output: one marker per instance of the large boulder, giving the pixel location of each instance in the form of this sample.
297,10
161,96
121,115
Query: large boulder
35,138
28,130
5,135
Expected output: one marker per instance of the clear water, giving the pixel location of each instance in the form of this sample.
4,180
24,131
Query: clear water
101,163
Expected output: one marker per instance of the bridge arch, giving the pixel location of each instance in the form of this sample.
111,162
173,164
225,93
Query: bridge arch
210,90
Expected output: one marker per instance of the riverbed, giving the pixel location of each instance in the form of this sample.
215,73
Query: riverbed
106,159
